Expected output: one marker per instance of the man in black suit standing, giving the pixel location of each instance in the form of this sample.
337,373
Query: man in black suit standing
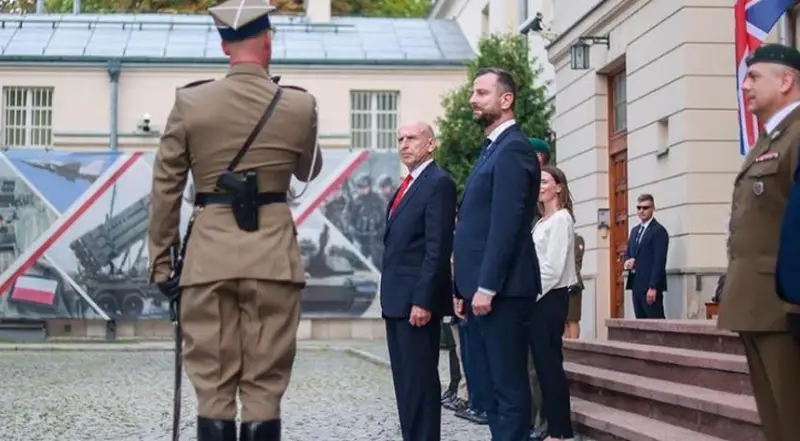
496,269
416,282
646,261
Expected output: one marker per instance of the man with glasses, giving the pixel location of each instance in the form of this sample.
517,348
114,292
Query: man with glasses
646,261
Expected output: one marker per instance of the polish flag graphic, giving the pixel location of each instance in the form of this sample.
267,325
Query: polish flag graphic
32,289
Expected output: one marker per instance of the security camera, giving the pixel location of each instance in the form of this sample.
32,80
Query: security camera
145,124
535,24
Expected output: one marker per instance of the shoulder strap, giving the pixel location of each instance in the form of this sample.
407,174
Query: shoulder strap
256,130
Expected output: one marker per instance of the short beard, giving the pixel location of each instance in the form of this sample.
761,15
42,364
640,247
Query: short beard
485,119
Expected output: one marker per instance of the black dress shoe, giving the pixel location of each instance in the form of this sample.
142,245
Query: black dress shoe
473,416
537,434
215,430
456,405
448,396
261,431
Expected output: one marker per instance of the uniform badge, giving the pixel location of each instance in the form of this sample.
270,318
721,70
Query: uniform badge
767,157
758,188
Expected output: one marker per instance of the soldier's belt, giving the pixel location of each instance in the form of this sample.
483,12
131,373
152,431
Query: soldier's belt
202,199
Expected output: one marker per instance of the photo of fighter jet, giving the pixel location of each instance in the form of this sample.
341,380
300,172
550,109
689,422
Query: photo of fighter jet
71,171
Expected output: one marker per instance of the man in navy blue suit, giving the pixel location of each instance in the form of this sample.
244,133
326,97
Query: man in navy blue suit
416,282
646,259
786,280
496,269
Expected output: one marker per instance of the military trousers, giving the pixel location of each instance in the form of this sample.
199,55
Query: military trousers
774,361
537,412
461,391
240,338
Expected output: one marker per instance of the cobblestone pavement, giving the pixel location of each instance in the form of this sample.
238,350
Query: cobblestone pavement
125,395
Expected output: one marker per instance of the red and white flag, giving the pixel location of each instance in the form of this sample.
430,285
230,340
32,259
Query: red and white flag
38,290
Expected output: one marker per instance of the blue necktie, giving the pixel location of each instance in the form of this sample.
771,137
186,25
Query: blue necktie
484,149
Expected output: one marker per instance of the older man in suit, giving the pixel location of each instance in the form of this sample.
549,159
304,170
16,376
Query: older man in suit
751,305
496,269
416,285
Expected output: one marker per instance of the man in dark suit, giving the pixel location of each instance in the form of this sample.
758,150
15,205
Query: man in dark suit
787,282
496,269
416,282
646,261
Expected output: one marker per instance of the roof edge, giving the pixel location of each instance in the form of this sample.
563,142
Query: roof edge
199,62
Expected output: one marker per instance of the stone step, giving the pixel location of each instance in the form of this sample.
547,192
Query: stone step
702,335
602,423
714,370
722,414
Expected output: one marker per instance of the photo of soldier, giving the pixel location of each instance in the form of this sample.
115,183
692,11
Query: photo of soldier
367,218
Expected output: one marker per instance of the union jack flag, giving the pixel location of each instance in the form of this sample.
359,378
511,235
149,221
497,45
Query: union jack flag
754,21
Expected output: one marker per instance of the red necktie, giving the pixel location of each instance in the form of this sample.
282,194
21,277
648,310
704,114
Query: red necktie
401,192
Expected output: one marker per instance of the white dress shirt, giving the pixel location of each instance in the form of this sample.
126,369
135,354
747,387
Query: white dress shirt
416,172
776,119
554,238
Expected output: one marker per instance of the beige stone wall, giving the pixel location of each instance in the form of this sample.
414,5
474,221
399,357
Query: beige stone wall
682,132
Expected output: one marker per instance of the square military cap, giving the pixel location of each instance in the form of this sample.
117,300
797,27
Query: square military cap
777,54
238,20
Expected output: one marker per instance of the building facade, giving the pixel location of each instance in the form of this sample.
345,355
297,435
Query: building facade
481,17
655,112
90,81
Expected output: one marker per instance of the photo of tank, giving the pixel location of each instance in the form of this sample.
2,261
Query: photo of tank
337,282
113,265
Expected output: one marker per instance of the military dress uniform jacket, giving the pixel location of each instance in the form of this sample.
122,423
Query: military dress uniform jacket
205,129
760,196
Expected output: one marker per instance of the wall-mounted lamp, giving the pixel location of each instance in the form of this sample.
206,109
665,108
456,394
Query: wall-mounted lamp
579,52
603,221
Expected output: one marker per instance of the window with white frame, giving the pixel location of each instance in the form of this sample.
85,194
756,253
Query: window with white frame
27,116
373,119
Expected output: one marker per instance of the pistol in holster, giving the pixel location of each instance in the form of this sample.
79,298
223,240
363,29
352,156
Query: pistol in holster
243,188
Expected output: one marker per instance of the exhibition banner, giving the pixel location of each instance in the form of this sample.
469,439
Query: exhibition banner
73,234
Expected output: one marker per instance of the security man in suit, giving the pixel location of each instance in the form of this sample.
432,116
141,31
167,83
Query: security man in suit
750,304
241,280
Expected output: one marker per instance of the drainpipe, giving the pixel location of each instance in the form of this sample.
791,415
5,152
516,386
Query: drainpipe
114,67
39,6
785,30
76,7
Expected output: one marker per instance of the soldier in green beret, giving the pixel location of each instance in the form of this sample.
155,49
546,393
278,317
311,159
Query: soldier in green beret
542,150
750,304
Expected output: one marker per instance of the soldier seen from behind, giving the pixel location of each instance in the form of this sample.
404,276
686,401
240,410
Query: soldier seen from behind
242,275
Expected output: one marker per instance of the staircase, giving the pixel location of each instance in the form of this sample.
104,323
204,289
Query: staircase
662,380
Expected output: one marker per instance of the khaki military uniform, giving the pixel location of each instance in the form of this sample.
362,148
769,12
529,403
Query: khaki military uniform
240,298
750,304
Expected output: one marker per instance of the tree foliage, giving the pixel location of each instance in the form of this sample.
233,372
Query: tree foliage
460,137
369,8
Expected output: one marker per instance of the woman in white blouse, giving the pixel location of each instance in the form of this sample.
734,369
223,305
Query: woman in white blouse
553,236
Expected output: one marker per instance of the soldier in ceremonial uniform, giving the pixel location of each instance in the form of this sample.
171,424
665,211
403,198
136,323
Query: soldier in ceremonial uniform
240,286
750,304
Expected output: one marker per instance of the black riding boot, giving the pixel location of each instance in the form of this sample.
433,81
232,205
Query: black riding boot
215,430
261,431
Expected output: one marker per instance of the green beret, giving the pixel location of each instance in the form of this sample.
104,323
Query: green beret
775,53
539,145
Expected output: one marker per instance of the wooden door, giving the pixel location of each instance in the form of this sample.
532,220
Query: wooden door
618,190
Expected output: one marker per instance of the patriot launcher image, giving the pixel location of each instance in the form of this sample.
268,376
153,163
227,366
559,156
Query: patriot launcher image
113,264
